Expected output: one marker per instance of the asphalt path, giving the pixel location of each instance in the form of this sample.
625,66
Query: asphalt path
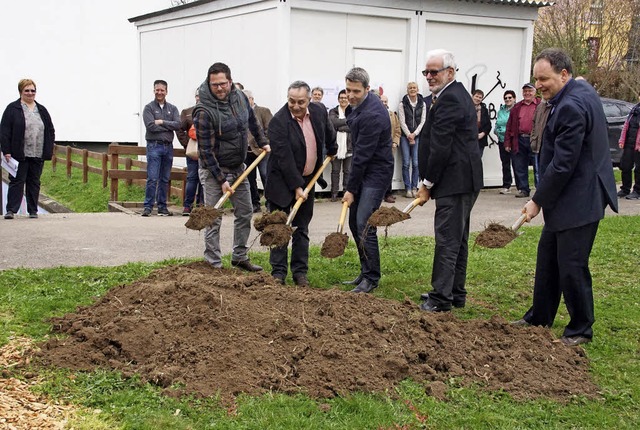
109,239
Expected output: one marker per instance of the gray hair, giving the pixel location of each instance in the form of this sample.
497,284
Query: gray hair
448,60
300,84
318,89
557,58
248,93
358,74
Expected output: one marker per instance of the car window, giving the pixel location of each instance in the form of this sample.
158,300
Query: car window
624,109
611,109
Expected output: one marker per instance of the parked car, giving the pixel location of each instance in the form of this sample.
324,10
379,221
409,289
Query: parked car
616,112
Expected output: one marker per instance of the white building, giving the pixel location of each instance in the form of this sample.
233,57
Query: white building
270,43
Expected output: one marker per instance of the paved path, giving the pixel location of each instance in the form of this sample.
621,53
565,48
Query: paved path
108,239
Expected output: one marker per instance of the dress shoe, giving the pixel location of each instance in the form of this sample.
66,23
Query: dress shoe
633,196
366,286
521,323
574,340
623,193
455,303
429,306
353,282
246,265
33,216
300,279
8,215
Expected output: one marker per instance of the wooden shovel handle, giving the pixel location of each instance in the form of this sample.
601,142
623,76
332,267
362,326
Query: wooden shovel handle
343,216
519,222
241,178
411,206
312,182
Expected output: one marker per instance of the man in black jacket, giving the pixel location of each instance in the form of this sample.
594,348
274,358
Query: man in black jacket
298,132
451,170
576,185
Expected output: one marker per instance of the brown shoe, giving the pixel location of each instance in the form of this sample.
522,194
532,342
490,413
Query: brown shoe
574,340
246,265
300,279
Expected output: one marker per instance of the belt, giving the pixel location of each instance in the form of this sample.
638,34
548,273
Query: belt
161,142
525,135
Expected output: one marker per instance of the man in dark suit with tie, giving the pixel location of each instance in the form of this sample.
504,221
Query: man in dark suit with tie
451,170
298,133
576,185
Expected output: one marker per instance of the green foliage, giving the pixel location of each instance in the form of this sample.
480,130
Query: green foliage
499,282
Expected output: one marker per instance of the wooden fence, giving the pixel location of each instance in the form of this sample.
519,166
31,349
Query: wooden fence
111,163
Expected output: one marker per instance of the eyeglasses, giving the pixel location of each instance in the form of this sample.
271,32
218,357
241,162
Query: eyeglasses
343,98
218,85
28,91
508,98
433,73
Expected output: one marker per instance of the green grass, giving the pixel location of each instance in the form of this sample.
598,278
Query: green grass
499,282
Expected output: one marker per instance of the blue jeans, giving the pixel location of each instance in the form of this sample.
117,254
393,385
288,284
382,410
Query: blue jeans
409,157
159,161
365,235
521,161
242,211
193,187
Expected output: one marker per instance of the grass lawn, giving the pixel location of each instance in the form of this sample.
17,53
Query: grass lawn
499,282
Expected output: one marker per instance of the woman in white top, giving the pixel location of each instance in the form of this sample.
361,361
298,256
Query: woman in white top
413,114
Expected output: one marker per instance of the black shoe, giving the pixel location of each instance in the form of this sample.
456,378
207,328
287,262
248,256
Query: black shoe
521,323
354,282
33,216
456,303
164,212
366,286
146,212
623,193
633,196
522,195
429,306
246,265
8,215
574,340
300,279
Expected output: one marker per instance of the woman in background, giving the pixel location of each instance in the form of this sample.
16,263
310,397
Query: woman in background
484,123
501,128
26,135
412,114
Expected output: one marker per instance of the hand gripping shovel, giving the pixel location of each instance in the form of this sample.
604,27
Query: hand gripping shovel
497,235
310,185
335,243
204,216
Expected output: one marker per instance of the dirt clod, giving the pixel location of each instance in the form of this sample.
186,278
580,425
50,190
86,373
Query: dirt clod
334,245
495,236
211,331
275,217
386,216
202,216
274,231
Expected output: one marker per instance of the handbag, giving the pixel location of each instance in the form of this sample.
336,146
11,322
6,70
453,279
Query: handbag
192,149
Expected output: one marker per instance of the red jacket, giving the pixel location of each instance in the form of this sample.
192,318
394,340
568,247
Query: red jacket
513,125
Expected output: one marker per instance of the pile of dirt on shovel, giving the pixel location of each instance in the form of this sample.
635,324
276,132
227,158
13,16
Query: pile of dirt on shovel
198,330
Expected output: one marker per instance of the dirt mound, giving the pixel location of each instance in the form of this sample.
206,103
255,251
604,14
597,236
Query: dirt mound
495,236
200,330
386,216
334,245
202,216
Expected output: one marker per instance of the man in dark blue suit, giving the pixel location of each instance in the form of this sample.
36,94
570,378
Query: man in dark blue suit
451,170
298,133
576,185
371,172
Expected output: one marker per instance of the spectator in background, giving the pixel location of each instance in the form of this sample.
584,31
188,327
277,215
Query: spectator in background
193,189
501,126
484,123
412,114
161,120
396,132
263,115
26,135
630,159
342,161
517,139
298,132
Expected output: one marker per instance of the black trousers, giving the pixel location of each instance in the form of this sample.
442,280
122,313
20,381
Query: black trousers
28,174
562,269
629,167
505,160
451,225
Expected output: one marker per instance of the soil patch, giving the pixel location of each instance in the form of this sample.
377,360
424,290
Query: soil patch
195,329
495,236
202,216
274,231
334,245
386,216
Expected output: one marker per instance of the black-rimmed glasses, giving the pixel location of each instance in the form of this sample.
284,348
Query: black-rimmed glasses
433,73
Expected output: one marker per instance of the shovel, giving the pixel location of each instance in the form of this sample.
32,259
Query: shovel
241,178
411,206
312,182
497,235
386,216
335,243
519,222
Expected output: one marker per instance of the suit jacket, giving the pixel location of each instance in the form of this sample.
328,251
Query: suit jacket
485,125
448,155
372,161
576,175
289,151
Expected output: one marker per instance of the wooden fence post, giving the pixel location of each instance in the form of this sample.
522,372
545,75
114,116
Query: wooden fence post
127,166
105,171
85,166
113,192
68,161
54,157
